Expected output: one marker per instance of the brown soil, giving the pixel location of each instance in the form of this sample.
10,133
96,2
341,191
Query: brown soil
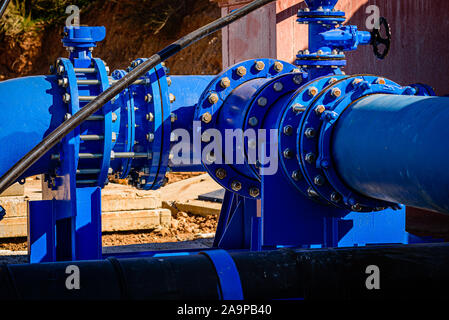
184,227
128,36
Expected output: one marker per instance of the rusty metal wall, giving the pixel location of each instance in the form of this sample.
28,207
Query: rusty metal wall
420,50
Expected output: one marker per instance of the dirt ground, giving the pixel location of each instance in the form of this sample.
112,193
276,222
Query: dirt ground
183,227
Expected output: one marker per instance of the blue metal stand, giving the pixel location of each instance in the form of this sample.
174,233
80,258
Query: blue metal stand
57,235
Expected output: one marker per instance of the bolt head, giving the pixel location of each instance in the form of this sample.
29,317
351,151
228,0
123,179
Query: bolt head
150,117
169,81
278,66
297,108
318,180
320,109
66,97
310,133
63,82
310,158
357,207
288,154
278,86
254,192
380,81
114,117
150,137
206,117
225,82
253,121
67,116
356,82
312,91
60,69
336,92
259,65
236,185
114,136
173,117
262,101
288,130
240,71
297,175
172,97
220,173
297,79
213,98
335,197
312,193
148,98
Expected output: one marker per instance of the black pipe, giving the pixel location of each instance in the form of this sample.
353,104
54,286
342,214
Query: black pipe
60,132
405,272
3,7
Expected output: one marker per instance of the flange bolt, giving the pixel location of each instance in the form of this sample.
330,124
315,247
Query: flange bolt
225,82
259,65
220,173
241,71
254,192
213,98
236,185
278,66
206,117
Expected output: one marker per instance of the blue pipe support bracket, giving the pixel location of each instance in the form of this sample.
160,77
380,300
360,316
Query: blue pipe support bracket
399,151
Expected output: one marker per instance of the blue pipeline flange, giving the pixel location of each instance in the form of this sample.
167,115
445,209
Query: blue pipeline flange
218,110
83,80
315,131
265,99
148,129
288,129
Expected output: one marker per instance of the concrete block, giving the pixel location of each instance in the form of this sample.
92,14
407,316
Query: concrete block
134,220
15,190
198,207
13,227
14,206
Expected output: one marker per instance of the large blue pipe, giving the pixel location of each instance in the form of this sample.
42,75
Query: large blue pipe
395,148
31,107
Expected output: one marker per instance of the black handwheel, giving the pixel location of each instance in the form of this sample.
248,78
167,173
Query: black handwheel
377,39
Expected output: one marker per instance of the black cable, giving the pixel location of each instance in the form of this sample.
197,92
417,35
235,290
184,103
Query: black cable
78,118
3,7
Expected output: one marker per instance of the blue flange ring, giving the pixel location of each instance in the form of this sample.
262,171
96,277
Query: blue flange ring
209,110
288,129
314,140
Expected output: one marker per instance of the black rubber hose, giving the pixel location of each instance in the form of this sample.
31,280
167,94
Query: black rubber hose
404,272
3,7
78,118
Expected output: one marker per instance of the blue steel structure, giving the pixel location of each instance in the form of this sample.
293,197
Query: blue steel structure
352,150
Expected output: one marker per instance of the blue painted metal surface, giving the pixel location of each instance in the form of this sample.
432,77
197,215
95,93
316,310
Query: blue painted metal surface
228,275
350,150
399,154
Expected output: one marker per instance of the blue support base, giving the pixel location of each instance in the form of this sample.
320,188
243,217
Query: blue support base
55,235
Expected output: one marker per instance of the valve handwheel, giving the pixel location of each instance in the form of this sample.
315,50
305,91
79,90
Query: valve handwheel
378,39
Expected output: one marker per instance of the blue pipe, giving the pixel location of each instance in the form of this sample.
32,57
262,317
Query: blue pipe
187,91
394,148
30,109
